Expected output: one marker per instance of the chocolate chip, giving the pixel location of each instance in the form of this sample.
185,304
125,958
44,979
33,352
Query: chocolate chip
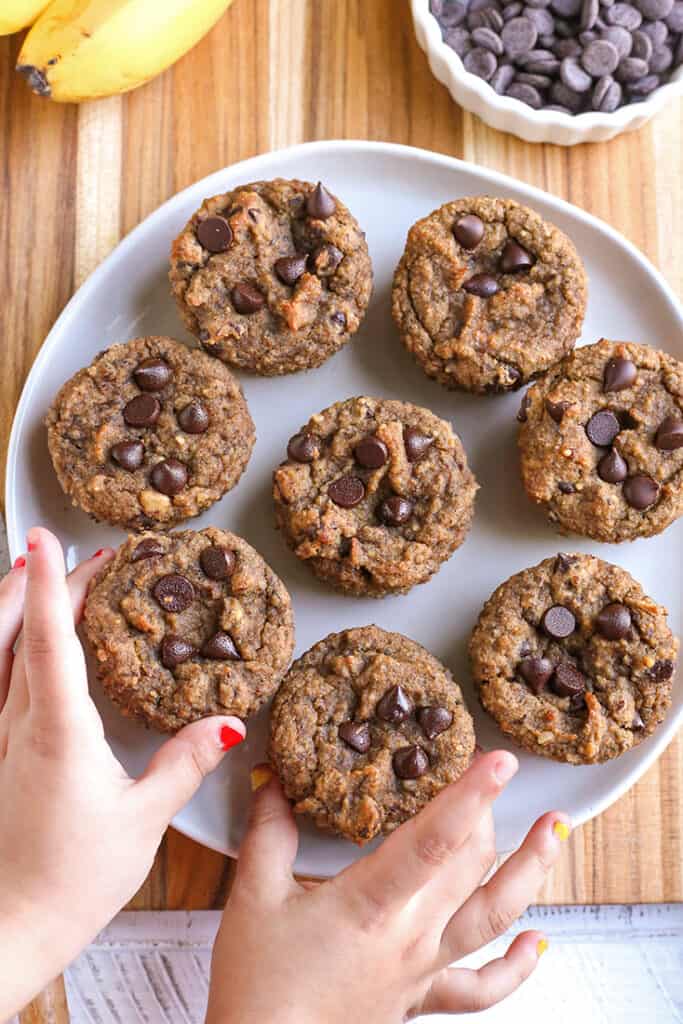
303,448
670,434
640,491
371,452
395,706
169,477
642,46
556,410
655,9
573,75
174,592
319,203
215,234
619,374
220,647
142,411
519,35
217,563
410,762
325,260
339,319
347,491
625,15
631,69
612,468
637,722
661,59
174,651
565,487
395,511
614,621
514,259
610,98
247,299
483,285
469,231
485,37
524,408
602,428
661,670
434,720
480,62
563,562
152,374
128,454
536,672
503,78
147,548
356,735
416,444
644,86
620,38
194,417
290,268
558,622
567,681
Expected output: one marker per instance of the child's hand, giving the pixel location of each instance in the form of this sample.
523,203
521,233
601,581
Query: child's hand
77,835
374,943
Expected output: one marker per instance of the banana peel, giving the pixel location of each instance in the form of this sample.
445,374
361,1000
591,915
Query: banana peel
17,14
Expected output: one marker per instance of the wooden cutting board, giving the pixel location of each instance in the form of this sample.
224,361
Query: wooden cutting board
273,73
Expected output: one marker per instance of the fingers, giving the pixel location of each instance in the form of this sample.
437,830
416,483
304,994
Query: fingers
493,908
12,591
458,990
270,844
427,845
177,770
79,579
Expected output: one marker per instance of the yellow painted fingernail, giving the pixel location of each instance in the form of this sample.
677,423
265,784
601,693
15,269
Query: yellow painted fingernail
541,947
561,830
260,775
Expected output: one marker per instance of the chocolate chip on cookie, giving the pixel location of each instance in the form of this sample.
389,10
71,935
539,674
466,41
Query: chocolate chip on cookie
514,258
602,428
614,621
142,411
558,622
247,299
536,672
319,203
371,452
175,651
303,448
567,681
173,592
395,511
434,720
469,231
394,706
481,285
215,234
128,454
612,468
194,417
147,548
290,268
347,491
410,762
640,491
619,374
416,444
220,647
356,735
217,563
670,434
152,374
169,477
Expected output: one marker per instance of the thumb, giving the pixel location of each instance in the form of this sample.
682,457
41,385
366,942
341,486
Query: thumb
178,768
269,847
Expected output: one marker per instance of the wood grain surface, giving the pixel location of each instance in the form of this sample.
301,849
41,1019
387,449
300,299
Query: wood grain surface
274,73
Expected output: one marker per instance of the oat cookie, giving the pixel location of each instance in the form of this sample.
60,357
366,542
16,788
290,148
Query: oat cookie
272,277
573,660
366,728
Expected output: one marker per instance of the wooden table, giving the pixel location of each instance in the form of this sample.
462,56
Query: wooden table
273,73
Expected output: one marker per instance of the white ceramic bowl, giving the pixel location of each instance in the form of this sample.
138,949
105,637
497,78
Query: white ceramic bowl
510,115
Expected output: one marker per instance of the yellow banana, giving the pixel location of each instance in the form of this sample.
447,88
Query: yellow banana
82,49
17,14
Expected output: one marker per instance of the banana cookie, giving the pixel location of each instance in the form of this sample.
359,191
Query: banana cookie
272,277
488,294
573,660
366,728
149,434
374,495
601,441
188,624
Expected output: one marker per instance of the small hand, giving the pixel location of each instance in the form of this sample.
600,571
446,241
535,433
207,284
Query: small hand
77,835
374,944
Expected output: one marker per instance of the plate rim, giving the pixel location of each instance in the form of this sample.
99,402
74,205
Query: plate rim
666,732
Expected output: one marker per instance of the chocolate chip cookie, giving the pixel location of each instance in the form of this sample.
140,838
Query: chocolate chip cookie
488,294
366,728
374,495
573,660
149,434
601,441
272,277
188,624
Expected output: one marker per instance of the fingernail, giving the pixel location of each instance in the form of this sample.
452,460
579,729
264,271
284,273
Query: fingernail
561,830
20,562
230,737
260,775
31,545
505,768
100,551
541,947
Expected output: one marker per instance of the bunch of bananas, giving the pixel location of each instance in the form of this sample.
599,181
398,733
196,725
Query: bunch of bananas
83,49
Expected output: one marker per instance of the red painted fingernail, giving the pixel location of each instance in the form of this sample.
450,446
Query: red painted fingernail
32,545
230,737
100,551
20,562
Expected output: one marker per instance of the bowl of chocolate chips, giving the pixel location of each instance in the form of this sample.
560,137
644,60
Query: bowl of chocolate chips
562,71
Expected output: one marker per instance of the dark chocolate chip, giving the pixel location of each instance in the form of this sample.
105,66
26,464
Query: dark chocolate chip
619,374
536,672
194,417
567,681
325,260
174,592
220,647
469,231
347,491
434,720
563,562
356,735
482,285
514,258
637,722
319,203
614,621
174,651
152,374
142,411
410,762
147,548
339,319
303,448
640,491
480,62
558,622
395,706
524,408
247,299
371,452
395,511
556,410
169,477
612,468
670,434
215,234
290,268
128,454
565,487
602,428
417,444
217,563
662,670
519,35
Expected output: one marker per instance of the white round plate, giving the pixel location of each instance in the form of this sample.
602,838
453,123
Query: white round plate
387,187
